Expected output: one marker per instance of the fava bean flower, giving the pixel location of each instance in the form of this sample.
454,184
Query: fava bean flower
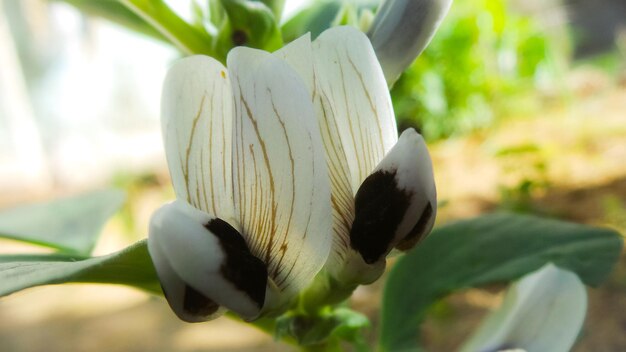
283,164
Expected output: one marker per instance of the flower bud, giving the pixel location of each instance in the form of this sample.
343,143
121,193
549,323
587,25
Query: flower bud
402,29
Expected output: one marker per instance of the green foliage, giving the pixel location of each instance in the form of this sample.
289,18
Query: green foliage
70,225
524,170
249,23
482,57
315,19
150,17
323,14
132,266
490,249
327,328
116,12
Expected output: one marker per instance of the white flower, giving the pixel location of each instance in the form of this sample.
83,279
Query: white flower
544,311
250,225
278,161
401,31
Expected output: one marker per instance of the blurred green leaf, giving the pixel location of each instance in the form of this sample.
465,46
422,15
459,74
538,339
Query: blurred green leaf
323,14
489,249
132,266
116,12
150,17
276,6
70,224
186,37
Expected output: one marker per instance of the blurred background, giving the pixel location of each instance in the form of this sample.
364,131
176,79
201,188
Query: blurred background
523,103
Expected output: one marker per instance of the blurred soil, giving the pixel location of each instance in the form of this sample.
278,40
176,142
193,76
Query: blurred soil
568,162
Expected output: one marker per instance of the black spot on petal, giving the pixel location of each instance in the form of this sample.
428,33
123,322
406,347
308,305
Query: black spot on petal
247,272
418,231
379,208
197,304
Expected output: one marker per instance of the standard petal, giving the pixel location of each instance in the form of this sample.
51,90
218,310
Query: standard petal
544,311
281,185
196,115
299,55
350,80
402,29
396,205
209,258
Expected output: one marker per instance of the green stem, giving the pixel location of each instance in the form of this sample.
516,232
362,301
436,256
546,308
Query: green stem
187,38
267,325
324,291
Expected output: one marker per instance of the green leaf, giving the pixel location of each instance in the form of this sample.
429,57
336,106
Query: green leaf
131,266
189,39
70,224
117,13
490,249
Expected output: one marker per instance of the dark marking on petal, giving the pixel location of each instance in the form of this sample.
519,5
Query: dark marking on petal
418,231
379,208
197,304
239,37
247,272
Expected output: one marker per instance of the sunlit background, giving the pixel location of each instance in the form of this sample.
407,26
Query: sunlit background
523,102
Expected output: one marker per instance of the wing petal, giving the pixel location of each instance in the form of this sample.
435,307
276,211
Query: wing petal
281,186
396,205
188,304
201,260
196,116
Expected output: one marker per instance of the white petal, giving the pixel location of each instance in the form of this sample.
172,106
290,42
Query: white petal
188,304
282,192
396,205
208,255
348,74
196,115
544,311
299,55
401,31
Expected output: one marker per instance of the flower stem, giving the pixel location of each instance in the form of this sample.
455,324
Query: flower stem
324,291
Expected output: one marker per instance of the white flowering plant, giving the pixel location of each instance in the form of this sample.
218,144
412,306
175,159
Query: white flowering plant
293,186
